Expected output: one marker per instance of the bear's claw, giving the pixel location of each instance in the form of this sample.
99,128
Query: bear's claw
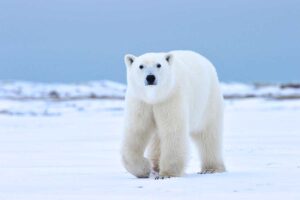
212,171
207,171
161,177
155,175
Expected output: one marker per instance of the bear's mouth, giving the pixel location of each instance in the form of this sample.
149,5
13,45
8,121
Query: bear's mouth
151,84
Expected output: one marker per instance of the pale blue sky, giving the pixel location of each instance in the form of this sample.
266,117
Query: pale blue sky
76,40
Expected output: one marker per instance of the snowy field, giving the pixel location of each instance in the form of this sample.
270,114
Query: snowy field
53,149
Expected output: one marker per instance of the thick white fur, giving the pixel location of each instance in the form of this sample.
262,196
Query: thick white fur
186,101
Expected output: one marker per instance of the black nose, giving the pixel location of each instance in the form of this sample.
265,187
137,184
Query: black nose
150,79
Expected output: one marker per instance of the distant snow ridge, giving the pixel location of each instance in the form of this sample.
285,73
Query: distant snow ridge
61,92
18,90
259,90
42,99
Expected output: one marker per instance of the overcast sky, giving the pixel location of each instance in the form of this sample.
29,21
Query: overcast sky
76,40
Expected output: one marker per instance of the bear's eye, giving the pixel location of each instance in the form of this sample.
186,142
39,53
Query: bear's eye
158,65
141,66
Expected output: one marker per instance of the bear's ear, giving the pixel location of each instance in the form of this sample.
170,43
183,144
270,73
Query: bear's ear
169,58
129,59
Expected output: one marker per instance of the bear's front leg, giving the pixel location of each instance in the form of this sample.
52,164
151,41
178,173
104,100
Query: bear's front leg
173,152
138,130
172,127
133,155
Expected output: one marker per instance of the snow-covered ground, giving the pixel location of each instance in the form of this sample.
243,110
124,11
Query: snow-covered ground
70,150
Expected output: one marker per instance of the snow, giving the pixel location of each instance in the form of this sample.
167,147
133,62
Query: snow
71,150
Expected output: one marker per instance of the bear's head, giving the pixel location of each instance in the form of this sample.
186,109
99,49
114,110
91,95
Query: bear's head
151,76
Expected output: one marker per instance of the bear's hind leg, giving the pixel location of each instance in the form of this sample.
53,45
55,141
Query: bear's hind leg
209,144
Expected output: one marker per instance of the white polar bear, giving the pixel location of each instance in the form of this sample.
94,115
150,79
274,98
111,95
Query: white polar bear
170,96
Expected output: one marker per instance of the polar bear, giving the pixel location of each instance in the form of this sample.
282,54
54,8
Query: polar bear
169,97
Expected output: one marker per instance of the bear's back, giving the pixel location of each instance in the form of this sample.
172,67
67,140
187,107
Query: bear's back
197,79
